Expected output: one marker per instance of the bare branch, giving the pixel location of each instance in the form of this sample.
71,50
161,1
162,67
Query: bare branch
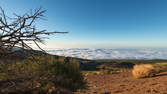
17,31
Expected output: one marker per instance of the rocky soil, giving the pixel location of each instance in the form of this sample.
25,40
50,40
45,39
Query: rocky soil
124,83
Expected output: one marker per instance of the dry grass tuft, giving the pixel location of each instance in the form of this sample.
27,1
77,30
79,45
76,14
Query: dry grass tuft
143,71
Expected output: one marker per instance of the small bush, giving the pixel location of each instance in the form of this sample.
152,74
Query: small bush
144,70
161,67
106,72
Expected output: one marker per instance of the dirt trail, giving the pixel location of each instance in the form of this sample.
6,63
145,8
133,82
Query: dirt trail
124,83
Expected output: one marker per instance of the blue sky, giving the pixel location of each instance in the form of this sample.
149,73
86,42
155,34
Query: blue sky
99,23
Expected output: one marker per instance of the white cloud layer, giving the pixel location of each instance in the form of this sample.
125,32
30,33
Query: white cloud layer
89,53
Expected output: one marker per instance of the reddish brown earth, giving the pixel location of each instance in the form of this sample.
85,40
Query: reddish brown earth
124,83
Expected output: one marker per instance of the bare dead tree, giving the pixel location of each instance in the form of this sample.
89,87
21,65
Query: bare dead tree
21,31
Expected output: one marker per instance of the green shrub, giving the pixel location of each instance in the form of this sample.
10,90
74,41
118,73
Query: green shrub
61,72
70,73
161,67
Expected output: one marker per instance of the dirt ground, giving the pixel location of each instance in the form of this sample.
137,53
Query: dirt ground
124,83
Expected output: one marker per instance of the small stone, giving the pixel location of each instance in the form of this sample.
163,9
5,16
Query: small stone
106,92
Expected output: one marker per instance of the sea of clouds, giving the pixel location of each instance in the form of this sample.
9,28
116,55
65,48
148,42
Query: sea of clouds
89,53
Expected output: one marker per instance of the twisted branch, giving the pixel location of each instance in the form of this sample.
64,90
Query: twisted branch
21,30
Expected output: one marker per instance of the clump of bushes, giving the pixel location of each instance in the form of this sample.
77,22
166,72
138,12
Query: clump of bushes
161,67
44,70
144,70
